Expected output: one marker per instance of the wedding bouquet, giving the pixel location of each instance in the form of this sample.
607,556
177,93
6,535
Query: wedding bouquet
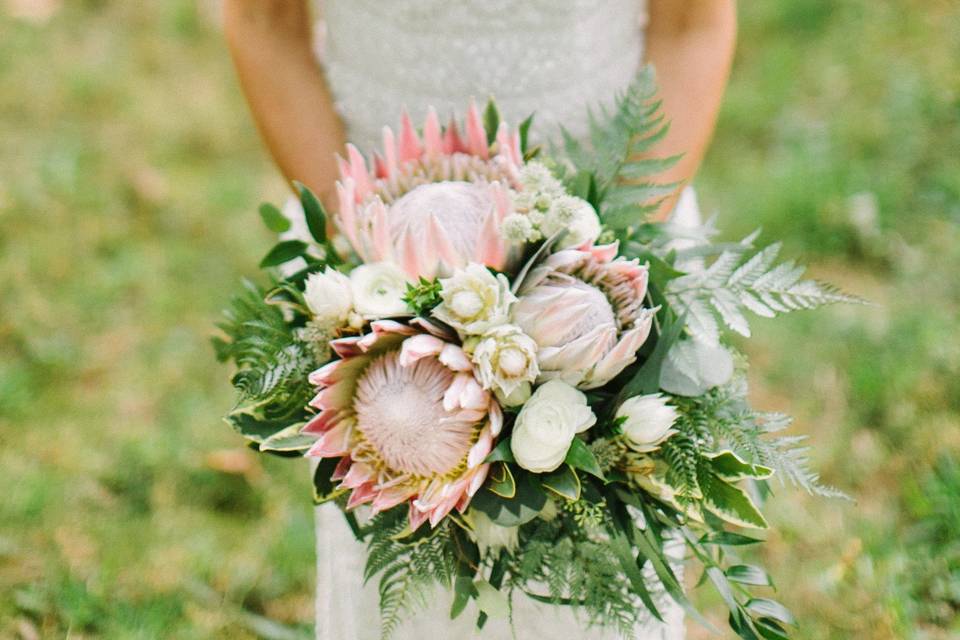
514,386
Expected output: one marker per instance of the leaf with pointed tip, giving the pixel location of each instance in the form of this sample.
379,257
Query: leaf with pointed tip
273,218
284,252
313,212
491,120
501,481
501,453
766,608
524,131
580,457
563,482
749,574
729,466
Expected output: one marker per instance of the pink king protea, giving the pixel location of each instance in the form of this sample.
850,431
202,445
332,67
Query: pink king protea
434,204
403,410
584,309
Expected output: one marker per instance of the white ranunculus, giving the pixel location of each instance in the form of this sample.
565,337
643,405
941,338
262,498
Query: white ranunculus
648,421
547,425
328,296
506,359
378,290
474,300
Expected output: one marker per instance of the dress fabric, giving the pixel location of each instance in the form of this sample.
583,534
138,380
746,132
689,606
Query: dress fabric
557,58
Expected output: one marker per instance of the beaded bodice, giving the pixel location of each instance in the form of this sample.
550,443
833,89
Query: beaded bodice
552,57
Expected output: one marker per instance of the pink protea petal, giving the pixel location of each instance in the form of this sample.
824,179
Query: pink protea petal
451,139
379,165
389,498
501,199
476,480
335,396
410,147
346,347
360,496
496,419
433,329
515,150
410,255
440,243
321,423
391,327
327,374
472,396
453,357
623,354
476,136
380,231
451,398
481,449
390,153
605,252
417,517
504,145
432,139
358,475
490,249
347,212
585,351
340,471
334,443
359,171
419,346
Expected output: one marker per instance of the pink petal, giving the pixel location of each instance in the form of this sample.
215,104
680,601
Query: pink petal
382,244
451,139
451,398
379,165
326,374
431,133
623,353
409,255
418,347
417,517
476,136
476,481
390,153
391,327
361,495
347,212
321,423
410,147
490,250
433,329
472,396
504,144
335,396
496,419
334,443
390,498
358,169
440,244
358,475
501,200
606,252
481,448
346,347
340,471
453,357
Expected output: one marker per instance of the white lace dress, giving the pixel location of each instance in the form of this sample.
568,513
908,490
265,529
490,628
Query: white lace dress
552,57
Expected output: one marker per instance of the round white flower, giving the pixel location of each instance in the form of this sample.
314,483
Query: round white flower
535,177
328,296
474,299
378,290
506,359
547,425
648,421
518,228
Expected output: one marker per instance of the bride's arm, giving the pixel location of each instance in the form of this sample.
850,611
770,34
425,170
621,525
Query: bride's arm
271,45
691,45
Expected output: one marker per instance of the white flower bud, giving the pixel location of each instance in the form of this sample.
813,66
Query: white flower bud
329,297
648,421
506,359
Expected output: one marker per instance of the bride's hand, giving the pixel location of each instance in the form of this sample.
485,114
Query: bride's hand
272,48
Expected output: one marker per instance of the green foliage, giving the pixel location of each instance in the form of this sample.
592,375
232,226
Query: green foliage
423,296
618,136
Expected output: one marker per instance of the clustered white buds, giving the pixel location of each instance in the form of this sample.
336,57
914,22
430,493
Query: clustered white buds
545,210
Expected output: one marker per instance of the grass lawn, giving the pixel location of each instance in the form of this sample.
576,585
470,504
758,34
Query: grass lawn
129,178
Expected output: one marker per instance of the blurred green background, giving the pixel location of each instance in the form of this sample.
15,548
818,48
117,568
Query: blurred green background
129,178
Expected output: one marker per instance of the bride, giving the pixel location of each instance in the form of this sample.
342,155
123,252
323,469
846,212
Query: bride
310,88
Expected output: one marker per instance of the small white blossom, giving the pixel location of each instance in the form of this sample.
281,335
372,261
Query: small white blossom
378,290
547,425
535,177
647,421
328,296
518,228
474,300
506,360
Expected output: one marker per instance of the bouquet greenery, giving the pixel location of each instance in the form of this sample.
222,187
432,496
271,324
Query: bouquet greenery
513,385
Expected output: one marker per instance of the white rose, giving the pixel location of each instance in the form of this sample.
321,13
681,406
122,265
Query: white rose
378,290
328,296
648,421
506,359
474,299
547,425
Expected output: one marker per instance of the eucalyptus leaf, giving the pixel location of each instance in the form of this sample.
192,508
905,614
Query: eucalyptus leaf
273,218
